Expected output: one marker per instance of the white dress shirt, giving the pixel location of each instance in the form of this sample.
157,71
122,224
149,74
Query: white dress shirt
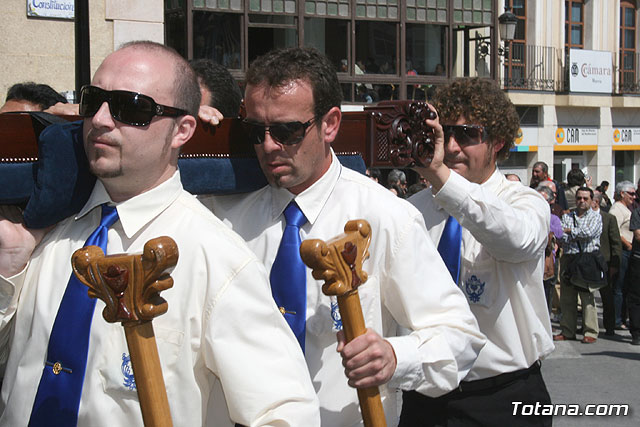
505,228
408,285
221,339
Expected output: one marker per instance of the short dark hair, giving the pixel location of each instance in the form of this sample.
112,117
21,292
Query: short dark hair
186,89
575,177
279,67
585,189
225,92
543,166
39,94
480,101
375,173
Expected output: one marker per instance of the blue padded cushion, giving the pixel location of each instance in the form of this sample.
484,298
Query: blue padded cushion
62,183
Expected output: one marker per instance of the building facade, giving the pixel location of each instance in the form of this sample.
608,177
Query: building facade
571,68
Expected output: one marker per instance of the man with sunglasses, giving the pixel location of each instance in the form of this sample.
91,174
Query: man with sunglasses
292,101
227,355
492,234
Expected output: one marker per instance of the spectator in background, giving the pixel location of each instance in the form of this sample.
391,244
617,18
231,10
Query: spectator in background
539,174
625,195
512,177
611,248
30,96
582,229
218,87
605,204
556,209
415,188
397,182
555,234
633,279
575,180
374,174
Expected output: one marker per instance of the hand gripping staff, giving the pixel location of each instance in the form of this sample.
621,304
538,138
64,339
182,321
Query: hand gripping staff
339,263
130,286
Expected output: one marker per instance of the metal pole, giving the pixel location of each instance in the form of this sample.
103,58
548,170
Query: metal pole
82,60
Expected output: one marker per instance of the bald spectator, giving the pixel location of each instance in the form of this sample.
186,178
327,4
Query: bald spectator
512,177
540,174
30,96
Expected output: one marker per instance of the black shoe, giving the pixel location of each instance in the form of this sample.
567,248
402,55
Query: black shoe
635,341
610,333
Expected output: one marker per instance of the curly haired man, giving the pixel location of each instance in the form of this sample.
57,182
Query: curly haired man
491,233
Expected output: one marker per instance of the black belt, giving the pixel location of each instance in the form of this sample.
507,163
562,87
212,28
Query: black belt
497,381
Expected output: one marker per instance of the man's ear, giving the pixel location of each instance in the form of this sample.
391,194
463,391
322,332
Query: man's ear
331,123
497,146
183,130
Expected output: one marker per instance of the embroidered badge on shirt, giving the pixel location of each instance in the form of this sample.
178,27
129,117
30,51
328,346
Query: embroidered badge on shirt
127,372
474,288
335,315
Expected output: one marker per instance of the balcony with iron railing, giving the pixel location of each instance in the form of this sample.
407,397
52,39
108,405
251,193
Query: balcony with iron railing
545,69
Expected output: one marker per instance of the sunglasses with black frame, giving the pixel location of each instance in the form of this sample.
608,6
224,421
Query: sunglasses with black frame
465,134
130,108
289,133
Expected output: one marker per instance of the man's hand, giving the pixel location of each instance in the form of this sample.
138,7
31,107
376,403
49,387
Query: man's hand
436,172
368,360
62,109
17,242
210,115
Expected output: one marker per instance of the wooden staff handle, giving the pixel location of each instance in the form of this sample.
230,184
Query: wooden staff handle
147,372
130,286
353,326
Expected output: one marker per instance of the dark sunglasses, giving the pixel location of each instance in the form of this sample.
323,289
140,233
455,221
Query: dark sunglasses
465,134
290,133
127,107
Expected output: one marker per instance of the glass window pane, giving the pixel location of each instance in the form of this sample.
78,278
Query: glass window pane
376,47
518,7
576,34
216,36
330,37
176,32
629,17
628,61
519,34
272,19
262,40
426,49
576,12
629,39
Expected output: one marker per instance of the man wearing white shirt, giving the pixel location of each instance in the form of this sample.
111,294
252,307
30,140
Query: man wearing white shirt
292,101
498,259
227,355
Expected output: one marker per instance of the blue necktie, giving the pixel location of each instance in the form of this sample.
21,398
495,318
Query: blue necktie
60,388
449,247
289,276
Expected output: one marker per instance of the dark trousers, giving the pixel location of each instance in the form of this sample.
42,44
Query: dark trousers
608,306
632,287
481,403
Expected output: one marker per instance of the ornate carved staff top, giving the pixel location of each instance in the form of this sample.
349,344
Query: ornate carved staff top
128,284
339,261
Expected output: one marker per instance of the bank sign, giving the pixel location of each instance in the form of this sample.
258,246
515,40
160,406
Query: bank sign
590,71
63,9
626,139
576,139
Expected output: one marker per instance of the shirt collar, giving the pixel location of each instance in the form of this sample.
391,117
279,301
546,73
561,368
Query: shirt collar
138,211
312,200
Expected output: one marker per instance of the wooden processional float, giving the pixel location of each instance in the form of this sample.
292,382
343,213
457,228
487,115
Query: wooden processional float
389,134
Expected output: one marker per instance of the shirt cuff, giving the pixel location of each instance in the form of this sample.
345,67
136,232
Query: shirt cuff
408,374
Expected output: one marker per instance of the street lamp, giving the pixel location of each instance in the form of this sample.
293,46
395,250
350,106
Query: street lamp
507,27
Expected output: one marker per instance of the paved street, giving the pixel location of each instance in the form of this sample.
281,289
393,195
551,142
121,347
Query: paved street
607,371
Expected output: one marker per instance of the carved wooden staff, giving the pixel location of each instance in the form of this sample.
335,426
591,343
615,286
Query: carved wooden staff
130,286
339,263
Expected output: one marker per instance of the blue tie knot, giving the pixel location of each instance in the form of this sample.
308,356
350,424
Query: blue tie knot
109,215
293,215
